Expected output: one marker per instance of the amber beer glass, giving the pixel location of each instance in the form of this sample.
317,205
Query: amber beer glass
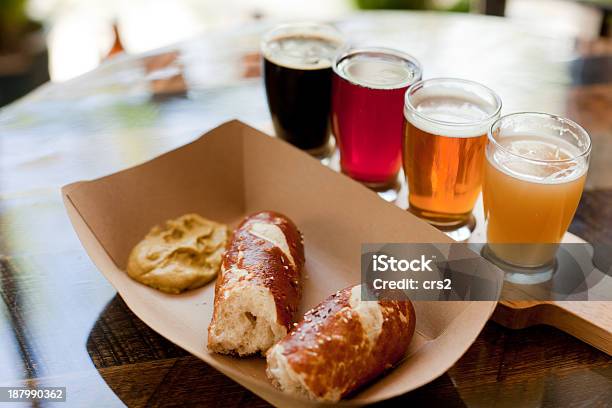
536,166
445,134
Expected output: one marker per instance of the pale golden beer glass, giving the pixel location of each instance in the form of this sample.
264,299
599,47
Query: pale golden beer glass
536,166
445,134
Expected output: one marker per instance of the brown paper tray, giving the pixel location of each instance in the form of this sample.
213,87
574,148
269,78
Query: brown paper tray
235,170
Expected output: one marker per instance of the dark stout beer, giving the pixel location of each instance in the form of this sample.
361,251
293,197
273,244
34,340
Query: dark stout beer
298,78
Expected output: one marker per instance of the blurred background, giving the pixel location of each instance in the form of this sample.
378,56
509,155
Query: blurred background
56,40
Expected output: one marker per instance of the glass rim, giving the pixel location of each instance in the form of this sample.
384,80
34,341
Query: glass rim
352,50
585,152
408,104
271,34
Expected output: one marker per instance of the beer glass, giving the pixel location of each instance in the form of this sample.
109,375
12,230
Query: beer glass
298,78
445,133
536,166
367,99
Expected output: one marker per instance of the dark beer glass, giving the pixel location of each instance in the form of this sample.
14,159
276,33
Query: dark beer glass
298,79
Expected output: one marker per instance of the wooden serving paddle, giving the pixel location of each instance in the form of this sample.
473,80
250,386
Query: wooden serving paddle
589,321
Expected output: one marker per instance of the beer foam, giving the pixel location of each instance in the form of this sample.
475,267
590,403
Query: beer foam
450,112
373,69
538,159
302,51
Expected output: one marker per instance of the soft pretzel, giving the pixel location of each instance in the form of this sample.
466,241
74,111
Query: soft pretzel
259,286
340,345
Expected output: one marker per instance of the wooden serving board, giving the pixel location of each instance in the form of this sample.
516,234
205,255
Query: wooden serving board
589,321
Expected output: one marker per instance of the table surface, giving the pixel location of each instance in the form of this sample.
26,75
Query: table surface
63,325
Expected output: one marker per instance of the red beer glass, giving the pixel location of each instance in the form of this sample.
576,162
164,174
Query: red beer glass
368,90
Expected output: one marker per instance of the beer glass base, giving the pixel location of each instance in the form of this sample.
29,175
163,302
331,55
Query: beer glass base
521,275
462,233
388,191
325,152
459,228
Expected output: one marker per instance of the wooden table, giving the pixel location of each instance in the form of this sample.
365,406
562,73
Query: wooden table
62,323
